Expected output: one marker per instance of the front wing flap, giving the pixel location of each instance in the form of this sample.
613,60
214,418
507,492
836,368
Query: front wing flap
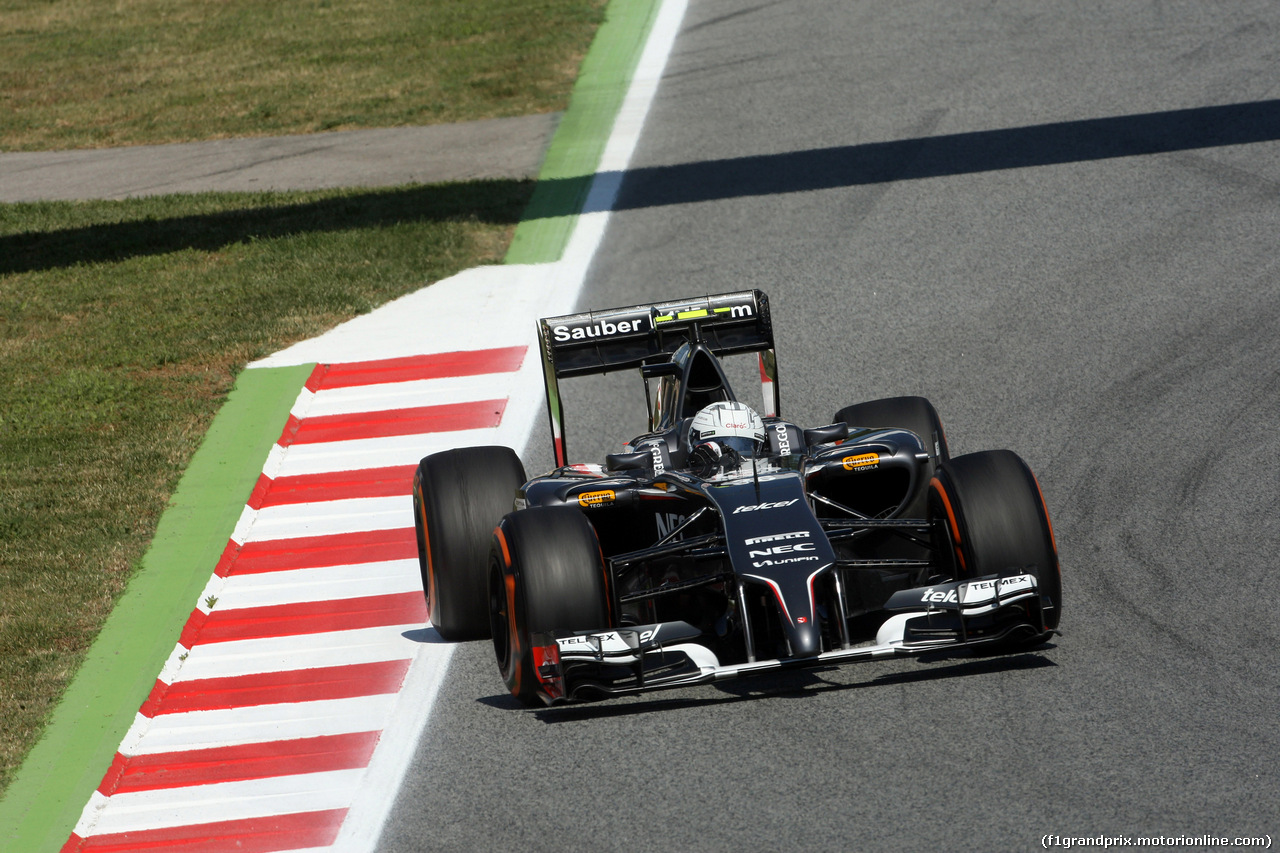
635,659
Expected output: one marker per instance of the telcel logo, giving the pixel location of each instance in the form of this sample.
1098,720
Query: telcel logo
600,498
765,505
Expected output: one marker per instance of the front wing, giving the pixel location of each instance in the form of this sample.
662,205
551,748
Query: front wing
636,659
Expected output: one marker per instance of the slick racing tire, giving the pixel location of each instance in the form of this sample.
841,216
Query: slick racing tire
546,573
458,497
990,518
914,413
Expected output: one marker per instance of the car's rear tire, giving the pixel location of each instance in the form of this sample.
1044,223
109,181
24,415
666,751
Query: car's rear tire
990,518
913,413
458,497
546,573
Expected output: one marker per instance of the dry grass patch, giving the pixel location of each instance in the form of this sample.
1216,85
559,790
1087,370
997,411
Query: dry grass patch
97,73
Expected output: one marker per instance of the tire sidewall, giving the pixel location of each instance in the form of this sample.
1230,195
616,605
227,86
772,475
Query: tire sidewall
989,517
459,495
546,573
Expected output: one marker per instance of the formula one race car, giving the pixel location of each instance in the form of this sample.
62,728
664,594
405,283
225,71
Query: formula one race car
724,541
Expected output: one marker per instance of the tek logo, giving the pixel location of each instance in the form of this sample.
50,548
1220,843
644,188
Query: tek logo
939,597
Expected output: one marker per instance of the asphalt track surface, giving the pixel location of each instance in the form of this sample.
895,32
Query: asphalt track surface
1058,222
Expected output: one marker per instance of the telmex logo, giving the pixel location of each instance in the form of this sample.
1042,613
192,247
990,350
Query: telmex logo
600,498
862,461
603,329
599,640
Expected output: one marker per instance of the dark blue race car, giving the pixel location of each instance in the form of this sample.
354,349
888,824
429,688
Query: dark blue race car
727,541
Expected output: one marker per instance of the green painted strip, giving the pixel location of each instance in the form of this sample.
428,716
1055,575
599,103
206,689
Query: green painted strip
579,141
41,807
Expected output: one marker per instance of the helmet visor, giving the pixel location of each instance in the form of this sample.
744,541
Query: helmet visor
747,448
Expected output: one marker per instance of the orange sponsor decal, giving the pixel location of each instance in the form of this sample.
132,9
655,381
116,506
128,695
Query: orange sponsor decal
861,462
604,497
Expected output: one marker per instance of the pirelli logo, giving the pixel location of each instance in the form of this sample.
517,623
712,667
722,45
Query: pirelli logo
604,497
861,462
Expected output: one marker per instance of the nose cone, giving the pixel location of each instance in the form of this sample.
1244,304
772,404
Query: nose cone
805,637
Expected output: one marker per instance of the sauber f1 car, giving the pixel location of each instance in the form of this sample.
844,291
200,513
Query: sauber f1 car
726,541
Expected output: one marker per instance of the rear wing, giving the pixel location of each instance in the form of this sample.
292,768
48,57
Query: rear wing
621,338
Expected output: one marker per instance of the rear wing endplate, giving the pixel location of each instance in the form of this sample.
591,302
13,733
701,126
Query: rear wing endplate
620,338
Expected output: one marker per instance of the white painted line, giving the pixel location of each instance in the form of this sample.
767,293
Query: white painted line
138,811
331,456
397,747
291,521
295,586
261,723
303,404
310,651
408,395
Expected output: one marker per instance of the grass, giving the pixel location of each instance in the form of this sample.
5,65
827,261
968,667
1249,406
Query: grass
96,73
123,324
122,327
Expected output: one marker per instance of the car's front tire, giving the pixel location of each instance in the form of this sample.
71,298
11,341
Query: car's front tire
990,518
458,497
546,573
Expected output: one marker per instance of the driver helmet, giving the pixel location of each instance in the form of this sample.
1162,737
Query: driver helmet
731,426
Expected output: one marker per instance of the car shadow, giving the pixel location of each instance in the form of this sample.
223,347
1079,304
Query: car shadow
794,684
425,635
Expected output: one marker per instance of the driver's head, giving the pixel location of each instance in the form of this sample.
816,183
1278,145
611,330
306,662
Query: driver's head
732,426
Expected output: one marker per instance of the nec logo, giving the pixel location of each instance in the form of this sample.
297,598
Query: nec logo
782,549
765,505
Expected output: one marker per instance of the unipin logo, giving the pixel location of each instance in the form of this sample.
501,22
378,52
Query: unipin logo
862,462
600,498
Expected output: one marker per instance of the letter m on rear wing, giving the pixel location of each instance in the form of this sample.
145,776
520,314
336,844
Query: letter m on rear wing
621,338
